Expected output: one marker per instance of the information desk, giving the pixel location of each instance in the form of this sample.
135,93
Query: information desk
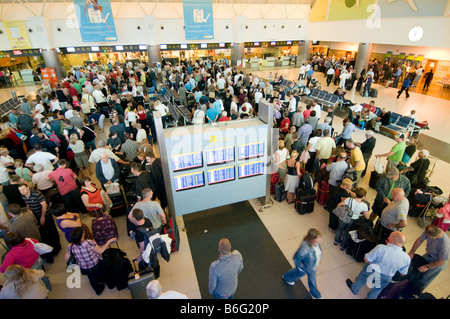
211,166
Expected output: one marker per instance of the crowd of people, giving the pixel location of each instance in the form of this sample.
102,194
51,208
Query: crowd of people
50,149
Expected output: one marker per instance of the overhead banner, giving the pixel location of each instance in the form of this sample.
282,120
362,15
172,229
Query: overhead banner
198,19
95,19
17,34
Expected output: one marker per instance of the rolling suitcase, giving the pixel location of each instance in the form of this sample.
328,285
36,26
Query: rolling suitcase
280,193
373,93
104,228
304,204
171,229
323,192
138,280
117,268
119,206
374,177
358,249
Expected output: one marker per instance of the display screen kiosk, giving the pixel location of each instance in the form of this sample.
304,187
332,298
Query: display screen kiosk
207,166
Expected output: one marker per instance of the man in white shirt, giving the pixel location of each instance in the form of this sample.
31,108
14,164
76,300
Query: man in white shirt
330,74
98,96
302,72
317,108
46,159
154,291
221,84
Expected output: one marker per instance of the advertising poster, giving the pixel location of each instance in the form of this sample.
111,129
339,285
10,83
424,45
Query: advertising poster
17,34
49,76
198,19
96,21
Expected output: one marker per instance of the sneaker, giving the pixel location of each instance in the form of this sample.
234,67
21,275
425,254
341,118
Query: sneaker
290,283
349,285
314,297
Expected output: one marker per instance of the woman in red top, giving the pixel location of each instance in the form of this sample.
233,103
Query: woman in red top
285,123
22,252
141,114
91,196
10,133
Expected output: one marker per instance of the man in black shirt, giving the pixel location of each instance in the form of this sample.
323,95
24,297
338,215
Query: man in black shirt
143,180
158,178
367,148
12,193
88,136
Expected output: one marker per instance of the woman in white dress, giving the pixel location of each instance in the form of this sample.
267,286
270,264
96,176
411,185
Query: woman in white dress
292,177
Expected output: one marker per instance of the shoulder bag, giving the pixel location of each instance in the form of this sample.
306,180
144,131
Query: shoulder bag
41,248
72,260
344,212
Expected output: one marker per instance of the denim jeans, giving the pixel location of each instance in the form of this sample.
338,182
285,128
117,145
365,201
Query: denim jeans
342,232
296,273
376,279
90,145
216,296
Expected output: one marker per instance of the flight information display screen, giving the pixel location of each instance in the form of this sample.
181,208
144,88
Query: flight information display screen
188,181
186,161
222,174
220,155
251,169
251,150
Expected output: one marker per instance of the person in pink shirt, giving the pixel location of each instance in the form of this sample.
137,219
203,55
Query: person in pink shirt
307,112
22,252
65,179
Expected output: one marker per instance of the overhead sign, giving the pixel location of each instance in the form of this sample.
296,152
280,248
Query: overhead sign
198,19
95,19
49,76
17,34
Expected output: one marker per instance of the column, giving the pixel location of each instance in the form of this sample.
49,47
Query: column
362,57
304,52
237,53
154,55
52,59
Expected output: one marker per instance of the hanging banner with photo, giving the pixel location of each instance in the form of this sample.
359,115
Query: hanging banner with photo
17,34
95,19
198,19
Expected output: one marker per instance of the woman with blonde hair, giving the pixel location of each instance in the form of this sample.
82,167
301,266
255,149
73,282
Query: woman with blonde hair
307,259
279,159
23,172
292,177
79,152
23,283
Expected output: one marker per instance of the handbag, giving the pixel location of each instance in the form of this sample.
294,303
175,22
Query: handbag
41,248
378,166
344,212
72,260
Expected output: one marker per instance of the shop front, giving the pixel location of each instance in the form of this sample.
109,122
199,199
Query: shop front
271,54
19,66
174,53
73,57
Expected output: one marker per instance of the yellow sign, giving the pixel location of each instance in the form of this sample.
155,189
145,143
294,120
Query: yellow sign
17,34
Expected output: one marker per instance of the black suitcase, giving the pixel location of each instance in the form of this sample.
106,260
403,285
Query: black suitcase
374,177
138,280
117,268
280,192
119,206
373,93
304,204
358,250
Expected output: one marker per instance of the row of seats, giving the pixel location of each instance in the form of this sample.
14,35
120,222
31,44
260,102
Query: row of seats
9,105
323,97
287,85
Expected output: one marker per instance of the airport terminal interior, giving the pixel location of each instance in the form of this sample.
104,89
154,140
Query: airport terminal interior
274,55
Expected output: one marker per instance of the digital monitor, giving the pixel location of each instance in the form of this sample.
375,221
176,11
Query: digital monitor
289,42
186,161
251,169
70,49
188,181
221,45
95,48
204,45
256,43
220,155
163,46
183,46
142,47
273,43
251,150
119,47
222,174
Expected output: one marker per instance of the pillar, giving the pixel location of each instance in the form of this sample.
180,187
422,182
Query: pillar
237,53
52,59
304,52
154,55
362,57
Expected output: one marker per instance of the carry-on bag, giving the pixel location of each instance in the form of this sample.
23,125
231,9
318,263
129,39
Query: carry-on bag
138,280
304,203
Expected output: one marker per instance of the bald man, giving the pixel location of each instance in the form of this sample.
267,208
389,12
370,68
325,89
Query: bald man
394,216
383,262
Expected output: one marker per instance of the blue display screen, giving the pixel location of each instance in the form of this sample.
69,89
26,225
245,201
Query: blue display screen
220,155
186,161
188,181
222,174
251,169
251,150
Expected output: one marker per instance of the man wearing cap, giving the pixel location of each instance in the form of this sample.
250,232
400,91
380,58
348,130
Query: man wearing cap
395,155
385,186
223,273
367,148
394,216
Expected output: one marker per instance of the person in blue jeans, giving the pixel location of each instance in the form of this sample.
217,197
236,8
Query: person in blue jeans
383,262
307,258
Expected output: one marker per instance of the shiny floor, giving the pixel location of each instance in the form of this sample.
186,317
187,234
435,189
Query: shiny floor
285,225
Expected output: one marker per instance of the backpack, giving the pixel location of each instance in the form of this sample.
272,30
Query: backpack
151,236
306,181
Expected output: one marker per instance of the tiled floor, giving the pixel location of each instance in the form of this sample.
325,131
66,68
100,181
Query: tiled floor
285,225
